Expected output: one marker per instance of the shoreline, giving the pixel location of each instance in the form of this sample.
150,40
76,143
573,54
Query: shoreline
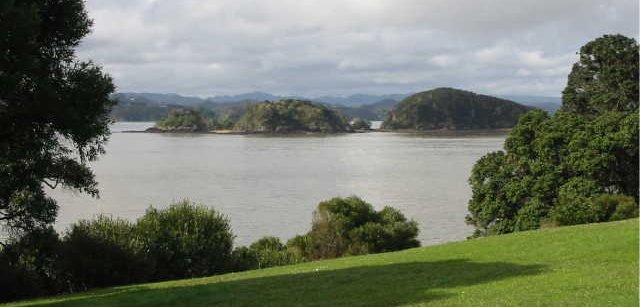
435,132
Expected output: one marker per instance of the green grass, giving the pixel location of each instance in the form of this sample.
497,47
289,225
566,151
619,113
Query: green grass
587,265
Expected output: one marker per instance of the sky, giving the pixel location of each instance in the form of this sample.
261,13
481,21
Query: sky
331,47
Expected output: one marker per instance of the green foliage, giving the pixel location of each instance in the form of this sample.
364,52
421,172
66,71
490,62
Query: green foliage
350,226
185,120
185,240
516,189
574,202
605,78
291,115
269,251
101,252
555,167
626,207
300,246
600,208
29,265
447,108
54,110
242,259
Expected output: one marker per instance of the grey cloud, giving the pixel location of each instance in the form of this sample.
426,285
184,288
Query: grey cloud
336,47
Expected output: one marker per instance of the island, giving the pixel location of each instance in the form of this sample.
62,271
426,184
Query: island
453,109
291,116
184,120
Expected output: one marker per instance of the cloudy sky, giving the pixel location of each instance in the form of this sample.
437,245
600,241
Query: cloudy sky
331,47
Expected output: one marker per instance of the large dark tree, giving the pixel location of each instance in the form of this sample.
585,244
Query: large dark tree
53,109
560,168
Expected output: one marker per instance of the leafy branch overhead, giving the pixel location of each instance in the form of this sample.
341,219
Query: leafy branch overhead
54,109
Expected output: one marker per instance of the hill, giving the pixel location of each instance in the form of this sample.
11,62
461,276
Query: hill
290,115
453,109
586,265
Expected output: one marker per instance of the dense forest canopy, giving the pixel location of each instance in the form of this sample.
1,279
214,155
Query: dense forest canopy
453,109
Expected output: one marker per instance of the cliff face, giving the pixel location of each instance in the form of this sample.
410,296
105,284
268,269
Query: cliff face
453,109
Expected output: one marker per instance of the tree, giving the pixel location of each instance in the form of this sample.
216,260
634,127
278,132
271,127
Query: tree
605,78
555,168
54,110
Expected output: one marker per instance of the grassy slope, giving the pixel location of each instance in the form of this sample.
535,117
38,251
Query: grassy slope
587,265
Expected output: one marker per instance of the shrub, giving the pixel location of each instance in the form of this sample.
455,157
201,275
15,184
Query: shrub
100,253
579,209
300,247
27,265
186,240
613,207
400,233
242,259
350,226
269,251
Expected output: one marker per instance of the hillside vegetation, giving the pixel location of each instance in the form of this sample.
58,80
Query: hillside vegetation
453,109
585,265
291,115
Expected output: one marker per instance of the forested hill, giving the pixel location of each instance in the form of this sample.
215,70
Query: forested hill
453,109
291,115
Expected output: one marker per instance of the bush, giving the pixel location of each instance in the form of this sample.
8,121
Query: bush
100,253
350,226
242,259
613,207
600,208
186,240
269,251
27,265
300,247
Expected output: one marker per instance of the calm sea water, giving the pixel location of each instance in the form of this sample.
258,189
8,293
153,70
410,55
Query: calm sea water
270,185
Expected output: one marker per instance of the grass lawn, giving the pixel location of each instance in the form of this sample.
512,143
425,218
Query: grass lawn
586,265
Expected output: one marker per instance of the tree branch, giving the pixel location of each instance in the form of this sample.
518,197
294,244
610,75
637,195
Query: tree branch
51,186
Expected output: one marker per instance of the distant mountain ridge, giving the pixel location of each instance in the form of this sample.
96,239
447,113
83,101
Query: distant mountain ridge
151,106
354,100
176,99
